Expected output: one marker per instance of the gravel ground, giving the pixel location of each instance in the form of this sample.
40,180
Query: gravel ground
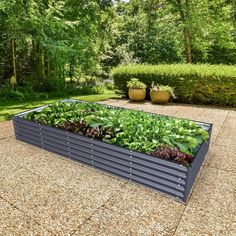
44,194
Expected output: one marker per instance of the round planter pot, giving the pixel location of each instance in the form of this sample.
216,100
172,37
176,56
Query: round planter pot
160,97
137,95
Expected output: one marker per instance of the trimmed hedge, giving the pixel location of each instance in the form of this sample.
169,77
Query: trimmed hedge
198,84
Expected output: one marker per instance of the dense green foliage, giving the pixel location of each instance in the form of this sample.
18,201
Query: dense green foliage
204,84
169,31
45,43
135,84
136,130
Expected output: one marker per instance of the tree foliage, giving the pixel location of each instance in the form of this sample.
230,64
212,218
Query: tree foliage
44,41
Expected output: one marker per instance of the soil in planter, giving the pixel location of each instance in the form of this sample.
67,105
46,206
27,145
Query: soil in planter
160,136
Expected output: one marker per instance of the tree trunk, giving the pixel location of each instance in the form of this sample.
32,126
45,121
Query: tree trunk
71,73
42,65
36,58
48,69
187,43
187,37
13,44
63,73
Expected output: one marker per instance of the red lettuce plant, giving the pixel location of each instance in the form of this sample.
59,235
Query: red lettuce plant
79,127
173,154
82,128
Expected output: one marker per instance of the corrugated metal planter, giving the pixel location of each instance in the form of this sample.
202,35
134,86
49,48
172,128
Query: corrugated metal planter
165,176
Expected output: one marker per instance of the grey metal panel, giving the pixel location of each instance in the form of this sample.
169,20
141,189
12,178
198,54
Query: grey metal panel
29,133
158,187
80,146
124,168
51,135
111,170
55,149
83,141
57,141
77,152
160,174
76,137
112,159
53,130
29,136
158,180
54,144
27,127
110,151
22,121
110,147
29,140
80,158
162,169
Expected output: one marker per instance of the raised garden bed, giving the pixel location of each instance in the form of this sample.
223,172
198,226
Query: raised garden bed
170,177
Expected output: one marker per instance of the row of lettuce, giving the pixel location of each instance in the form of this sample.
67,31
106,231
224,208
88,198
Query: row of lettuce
196,84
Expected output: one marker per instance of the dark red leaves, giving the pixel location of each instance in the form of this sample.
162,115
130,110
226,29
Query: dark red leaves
82,128
172,154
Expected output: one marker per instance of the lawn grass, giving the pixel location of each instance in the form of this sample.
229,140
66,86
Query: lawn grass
11,107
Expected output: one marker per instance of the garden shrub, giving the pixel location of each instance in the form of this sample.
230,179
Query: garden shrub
198,84
20,93
109,84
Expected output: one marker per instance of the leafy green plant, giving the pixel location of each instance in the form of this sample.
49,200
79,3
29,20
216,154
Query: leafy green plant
15,95
135,84
163,88
109,84
135,130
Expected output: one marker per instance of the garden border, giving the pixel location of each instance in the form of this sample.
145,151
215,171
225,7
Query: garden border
164,176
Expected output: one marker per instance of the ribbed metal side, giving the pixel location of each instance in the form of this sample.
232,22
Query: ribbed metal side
165,176
196,165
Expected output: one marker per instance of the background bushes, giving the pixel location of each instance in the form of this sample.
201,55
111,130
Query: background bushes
199,84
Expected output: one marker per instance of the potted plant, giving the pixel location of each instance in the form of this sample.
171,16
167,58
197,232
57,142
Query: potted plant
137,90
161,94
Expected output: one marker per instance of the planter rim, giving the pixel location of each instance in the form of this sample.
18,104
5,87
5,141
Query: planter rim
153,90
131,88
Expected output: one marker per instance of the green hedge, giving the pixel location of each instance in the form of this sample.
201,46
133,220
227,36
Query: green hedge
198,84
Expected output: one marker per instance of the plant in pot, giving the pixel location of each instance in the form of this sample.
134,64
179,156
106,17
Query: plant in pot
161,94
137,90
